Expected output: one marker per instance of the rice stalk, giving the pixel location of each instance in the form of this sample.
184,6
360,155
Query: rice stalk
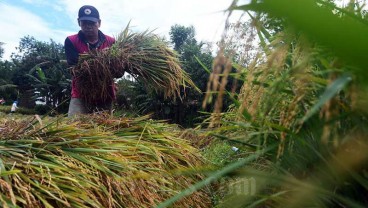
97,161
218,79
143,55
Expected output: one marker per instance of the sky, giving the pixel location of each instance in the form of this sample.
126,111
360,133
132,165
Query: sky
56,19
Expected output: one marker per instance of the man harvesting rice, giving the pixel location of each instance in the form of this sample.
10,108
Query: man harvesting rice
87,39
145,56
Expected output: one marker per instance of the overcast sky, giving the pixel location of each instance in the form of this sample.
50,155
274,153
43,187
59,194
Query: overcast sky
55,19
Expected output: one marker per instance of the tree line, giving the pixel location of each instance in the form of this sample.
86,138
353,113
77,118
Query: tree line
37,76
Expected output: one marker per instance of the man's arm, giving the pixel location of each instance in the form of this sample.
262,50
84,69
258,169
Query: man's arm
70,52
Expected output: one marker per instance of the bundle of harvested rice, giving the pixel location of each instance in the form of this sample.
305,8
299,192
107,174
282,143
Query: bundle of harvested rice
95,162
143,55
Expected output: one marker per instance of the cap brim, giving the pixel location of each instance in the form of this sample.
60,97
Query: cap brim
93,19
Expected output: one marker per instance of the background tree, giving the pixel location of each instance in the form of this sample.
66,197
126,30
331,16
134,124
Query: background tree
7,88
181,35
40,72
190,51
1,49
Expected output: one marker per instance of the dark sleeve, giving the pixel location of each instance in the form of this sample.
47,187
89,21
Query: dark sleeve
70,52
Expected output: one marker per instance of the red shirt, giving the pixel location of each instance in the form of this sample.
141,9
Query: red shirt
77,44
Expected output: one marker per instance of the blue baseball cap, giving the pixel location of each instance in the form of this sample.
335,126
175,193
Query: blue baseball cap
89,13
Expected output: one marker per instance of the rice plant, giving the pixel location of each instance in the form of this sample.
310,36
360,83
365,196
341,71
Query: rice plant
95,161
300,113
143,55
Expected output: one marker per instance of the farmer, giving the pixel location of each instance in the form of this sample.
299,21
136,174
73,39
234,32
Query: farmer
87,39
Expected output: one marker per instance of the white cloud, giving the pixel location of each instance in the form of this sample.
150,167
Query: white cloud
17,23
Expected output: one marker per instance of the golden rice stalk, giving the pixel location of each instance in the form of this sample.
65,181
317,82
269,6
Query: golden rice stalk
143,55
96,161
221,65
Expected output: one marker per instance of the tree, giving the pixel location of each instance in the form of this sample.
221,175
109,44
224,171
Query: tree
180,35
1,49
7,88
191,52
40,72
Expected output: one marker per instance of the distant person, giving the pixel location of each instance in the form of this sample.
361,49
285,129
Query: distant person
2,101
14,107
88,38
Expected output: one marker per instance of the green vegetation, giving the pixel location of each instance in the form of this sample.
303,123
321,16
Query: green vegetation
301,111
288,89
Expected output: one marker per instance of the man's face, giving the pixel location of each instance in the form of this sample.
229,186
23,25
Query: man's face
89,28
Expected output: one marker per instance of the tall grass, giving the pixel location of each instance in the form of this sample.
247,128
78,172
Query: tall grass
301,112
